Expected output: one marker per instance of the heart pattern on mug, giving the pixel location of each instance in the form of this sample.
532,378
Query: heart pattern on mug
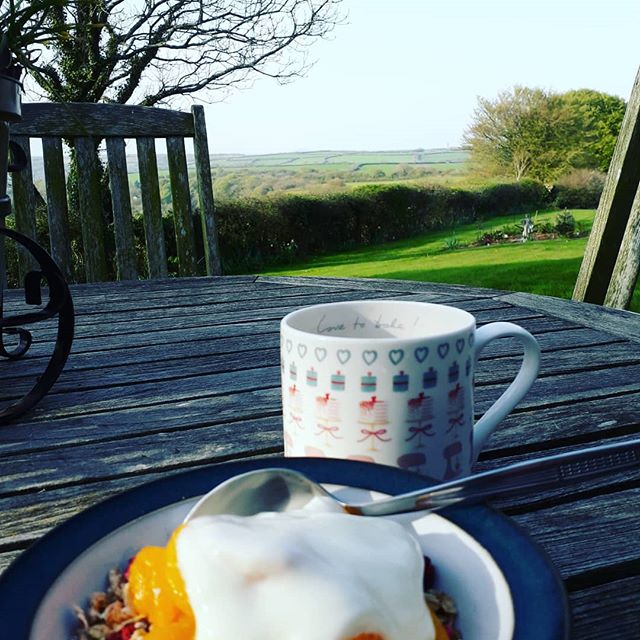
459,345
421,353
289,346
471,339
344,355
302,350
396,355
321,353
369,356
443,350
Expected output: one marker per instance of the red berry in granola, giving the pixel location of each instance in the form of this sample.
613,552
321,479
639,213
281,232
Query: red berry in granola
123,634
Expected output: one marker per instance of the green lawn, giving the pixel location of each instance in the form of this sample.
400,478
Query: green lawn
546,267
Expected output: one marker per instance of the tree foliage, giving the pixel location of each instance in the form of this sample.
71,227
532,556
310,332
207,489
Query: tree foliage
150,51
539,134
596,119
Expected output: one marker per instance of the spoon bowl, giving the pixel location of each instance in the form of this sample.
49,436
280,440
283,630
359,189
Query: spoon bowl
262,490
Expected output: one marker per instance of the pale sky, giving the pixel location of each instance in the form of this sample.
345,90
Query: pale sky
402,74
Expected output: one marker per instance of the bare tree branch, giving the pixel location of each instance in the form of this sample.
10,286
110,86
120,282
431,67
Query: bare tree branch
151,51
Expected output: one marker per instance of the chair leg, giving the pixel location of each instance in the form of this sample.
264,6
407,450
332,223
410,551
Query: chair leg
602,264
627,267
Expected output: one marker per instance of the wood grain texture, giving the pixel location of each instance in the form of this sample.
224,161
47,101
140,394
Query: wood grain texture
170,375
238,353
613,605
57,210
375,284
192,324
70,119
181,205
627,267
121,202
621,186
100,355
144,454
152,210
167,306
24,206
625,324
91,216
205,193
595,538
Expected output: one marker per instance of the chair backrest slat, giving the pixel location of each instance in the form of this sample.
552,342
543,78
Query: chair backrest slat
205,192
121,203
69,120
151,208
93,223
24,206
57,210
181,203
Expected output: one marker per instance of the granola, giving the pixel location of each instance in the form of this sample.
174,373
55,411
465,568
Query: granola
110,616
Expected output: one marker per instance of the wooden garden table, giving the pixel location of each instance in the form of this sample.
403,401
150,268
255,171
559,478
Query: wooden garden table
171,374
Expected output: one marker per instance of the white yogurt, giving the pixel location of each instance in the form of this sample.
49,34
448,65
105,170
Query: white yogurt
306,575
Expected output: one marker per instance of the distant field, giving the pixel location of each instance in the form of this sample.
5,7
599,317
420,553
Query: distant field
305,159
308,158
311,172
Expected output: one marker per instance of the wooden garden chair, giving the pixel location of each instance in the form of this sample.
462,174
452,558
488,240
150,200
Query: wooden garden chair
86,125
611,262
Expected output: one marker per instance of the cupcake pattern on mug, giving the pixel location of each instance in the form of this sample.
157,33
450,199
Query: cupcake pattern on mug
346,386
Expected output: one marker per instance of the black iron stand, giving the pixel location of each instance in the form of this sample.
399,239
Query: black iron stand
59,303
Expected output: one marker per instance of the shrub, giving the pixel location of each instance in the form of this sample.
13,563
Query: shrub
580,189
545,227
565,224
512,198
451,244
488,237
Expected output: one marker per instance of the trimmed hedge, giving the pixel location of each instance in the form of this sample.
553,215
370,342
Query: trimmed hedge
256,232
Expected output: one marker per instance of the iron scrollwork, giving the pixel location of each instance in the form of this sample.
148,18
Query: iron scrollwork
12,158
59,303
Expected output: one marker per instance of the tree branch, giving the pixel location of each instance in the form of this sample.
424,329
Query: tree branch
153,50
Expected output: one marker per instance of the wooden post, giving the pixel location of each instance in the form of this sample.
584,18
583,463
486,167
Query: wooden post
57,211
4,164
24,206
121,200
91,218
151,207
604,276
205,192
181,204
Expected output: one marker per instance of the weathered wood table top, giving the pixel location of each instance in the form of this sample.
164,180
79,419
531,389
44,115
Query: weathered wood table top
172,374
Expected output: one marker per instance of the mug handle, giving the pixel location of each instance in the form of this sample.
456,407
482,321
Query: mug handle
517,389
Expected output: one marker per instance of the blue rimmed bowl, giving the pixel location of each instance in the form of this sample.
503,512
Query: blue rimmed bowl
503,583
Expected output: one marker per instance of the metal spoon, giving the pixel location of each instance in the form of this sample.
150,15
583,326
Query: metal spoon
284,489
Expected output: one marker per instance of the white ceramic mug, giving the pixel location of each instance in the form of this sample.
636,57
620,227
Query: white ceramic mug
391,382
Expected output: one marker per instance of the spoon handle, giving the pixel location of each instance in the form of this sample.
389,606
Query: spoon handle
541,473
